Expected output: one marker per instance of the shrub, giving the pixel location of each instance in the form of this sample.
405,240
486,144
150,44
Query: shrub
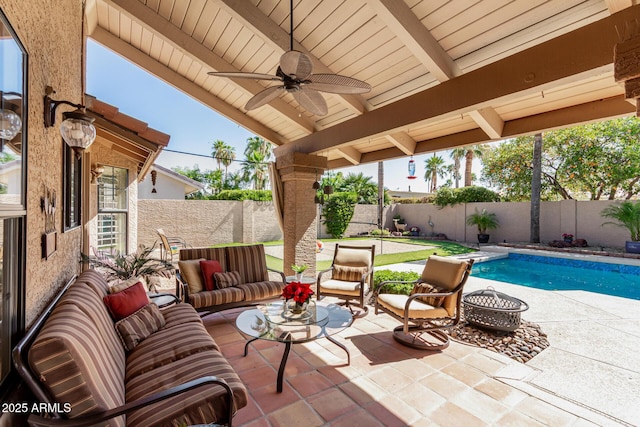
399,276
338,211
256,195
378,232
448,197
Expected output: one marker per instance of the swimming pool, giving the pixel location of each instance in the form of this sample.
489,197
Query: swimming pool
563,274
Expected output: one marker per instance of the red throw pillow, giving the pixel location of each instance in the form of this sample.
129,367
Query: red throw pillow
126,302
209,267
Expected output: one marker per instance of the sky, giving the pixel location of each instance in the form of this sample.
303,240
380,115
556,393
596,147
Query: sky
194,126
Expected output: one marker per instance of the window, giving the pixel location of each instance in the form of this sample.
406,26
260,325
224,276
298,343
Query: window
72,182
113,210
13,66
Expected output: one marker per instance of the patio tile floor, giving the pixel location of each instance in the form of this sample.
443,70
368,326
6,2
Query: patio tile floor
386,384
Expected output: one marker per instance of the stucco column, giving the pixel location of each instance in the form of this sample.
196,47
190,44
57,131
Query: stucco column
298,172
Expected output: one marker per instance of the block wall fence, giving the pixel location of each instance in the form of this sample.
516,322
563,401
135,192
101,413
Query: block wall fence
209,222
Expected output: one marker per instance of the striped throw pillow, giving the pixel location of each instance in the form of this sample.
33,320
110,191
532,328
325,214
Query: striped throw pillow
133,329
225,280
348,273
425,288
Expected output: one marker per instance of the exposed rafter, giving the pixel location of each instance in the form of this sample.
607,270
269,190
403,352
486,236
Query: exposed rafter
489,121
184,43
187,86
574,56
403,141
351,154
278,39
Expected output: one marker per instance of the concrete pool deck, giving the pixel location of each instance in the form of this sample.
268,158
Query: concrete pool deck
594,356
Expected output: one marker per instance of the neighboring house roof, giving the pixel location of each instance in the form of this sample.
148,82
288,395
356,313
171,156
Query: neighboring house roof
128,136
190,185
10,165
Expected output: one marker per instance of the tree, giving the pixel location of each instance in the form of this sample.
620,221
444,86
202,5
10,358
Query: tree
471,153
457,154
256,165
591,162
535,188
224,155
338,211
434,168
363,186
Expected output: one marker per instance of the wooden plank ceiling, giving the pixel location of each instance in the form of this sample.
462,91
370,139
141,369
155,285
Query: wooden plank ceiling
444,73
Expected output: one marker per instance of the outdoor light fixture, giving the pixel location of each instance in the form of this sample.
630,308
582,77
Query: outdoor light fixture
77,127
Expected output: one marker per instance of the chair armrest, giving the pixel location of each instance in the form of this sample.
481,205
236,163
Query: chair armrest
177,241
182,287
320,274
89,420
284,278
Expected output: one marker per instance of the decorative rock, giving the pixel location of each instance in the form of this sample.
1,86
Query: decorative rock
522,344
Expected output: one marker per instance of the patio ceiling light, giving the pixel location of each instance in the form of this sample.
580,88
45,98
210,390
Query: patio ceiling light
77,127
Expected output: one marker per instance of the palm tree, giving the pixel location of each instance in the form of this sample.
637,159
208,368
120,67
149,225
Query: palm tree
255,167
227,157
219,147
470,153
434,167
457,154
536,182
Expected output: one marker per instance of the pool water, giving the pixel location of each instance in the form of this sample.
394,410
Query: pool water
563,274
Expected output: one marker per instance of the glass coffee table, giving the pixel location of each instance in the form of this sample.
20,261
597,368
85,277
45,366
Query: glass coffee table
271,322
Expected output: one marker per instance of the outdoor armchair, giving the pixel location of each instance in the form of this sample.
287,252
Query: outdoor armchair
170,246
433,304
351,276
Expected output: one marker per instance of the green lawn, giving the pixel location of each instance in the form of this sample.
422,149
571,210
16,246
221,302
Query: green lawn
437,247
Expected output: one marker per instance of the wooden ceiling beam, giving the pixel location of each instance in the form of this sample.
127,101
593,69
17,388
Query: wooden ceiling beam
169,76
608,108
401,20
350,154
274,36
489,121
570,56
403,141
184,43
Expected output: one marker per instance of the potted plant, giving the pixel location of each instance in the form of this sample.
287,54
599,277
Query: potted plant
484,221
119,267
299,269
627,215
567,237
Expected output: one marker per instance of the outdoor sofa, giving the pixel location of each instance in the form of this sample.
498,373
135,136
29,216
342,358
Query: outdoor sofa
74,359
237,276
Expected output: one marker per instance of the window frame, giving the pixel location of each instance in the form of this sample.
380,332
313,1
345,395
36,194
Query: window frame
113,211
72,184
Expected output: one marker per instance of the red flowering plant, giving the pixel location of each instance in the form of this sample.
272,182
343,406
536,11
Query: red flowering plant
299,292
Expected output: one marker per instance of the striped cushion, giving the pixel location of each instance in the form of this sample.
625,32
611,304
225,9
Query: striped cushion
179,314
217,297
261,290
218,254
425,288
348,273
78,355
138,326
94,280
167,346
224,280
250,261
199,406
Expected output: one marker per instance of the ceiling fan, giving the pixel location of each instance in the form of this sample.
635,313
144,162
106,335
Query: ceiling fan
295,73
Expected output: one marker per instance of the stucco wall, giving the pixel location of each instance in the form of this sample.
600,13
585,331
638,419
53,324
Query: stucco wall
52,35
207,222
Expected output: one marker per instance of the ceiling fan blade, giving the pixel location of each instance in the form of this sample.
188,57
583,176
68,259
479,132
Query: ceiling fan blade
264,97
241,75
335,83
296,65
311,101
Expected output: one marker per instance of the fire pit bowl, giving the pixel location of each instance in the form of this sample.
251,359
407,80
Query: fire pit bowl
490,309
